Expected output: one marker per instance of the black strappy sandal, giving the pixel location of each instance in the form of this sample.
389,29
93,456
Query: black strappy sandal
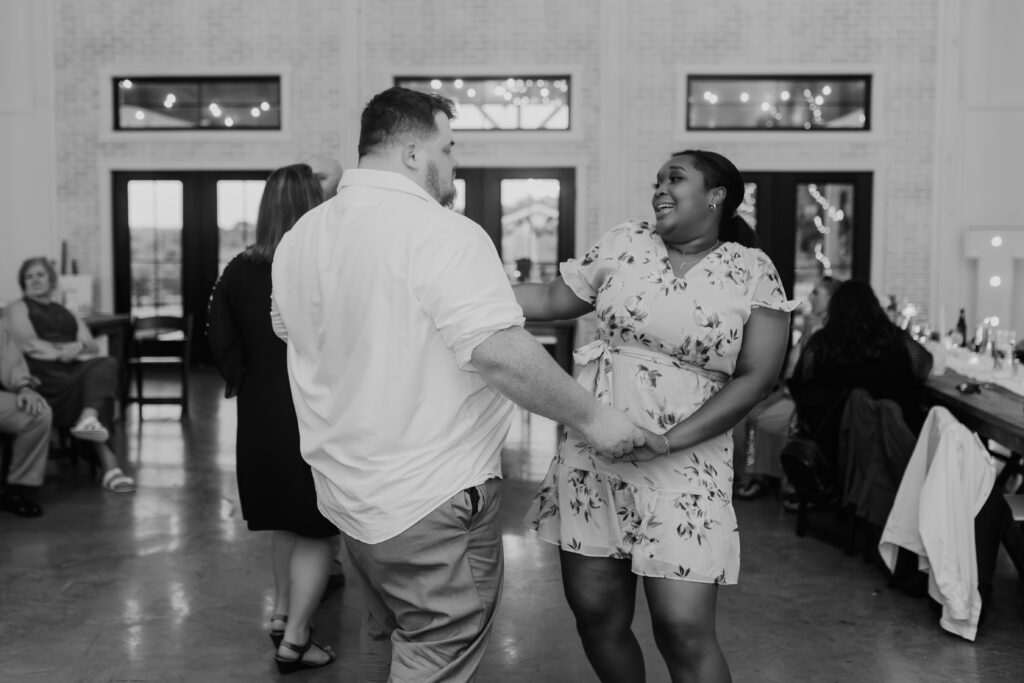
288,666
277,635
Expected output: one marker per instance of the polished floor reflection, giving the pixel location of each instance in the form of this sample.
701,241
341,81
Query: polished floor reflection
168,585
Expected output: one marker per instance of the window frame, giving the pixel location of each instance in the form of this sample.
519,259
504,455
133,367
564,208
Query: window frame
199,82
838,137
108,103
545,74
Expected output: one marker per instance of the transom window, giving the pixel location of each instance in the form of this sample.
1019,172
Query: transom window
502,102
793,103
201,103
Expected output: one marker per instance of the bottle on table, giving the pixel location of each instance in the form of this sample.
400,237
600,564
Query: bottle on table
960,338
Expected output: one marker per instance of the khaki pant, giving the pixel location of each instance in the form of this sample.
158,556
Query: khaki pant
432,592
31,440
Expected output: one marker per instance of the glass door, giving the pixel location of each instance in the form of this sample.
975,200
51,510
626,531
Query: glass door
530,214
174,231
812,224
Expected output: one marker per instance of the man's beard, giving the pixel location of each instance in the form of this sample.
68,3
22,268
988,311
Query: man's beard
445,198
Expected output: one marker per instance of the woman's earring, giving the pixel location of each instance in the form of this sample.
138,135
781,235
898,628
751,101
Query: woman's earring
712,206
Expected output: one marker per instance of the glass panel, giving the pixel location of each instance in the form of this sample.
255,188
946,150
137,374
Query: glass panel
198,103
748,209
238,204
154,223
824,234
460,197
529,229
502,103
778,102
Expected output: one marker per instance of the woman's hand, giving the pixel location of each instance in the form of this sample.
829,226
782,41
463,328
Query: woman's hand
69,353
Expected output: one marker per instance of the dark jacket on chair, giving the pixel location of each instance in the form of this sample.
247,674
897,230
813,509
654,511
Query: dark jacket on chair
875,445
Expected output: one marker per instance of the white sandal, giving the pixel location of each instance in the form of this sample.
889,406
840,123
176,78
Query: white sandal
117,481
90,429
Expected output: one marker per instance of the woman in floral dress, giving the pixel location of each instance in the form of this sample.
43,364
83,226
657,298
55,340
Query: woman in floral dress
692,334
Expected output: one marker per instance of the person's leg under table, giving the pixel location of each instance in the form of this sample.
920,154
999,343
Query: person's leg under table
432,591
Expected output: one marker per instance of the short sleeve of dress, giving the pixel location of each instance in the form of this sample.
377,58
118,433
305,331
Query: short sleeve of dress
766,289
586,275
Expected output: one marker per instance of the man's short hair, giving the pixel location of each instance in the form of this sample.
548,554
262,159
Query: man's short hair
397,113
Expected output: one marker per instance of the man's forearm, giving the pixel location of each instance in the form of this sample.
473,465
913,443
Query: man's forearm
515,364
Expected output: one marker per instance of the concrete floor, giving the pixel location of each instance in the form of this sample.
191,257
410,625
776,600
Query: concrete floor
168,585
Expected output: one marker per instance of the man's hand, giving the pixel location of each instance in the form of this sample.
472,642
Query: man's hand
611,433
30,402
654,447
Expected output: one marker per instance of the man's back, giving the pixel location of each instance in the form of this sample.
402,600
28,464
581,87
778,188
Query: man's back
384,294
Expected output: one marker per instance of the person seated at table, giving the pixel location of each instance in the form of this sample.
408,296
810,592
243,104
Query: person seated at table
858,347
759,438
26,415
79,385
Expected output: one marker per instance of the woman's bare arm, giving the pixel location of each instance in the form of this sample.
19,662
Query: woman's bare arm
551,301
18,323
757,368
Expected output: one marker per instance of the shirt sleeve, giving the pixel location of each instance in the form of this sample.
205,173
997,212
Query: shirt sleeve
461,284
766,290
585,275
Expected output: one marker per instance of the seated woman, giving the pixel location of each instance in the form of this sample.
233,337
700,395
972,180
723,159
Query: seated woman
858,347
79,385
759,439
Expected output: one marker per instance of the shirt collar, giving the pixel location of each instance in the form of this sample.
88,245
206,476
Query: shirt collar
384,180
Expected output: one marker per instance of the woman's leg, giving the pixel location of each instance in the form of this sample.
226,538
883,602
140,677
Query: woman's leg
107,458
683,616
310,567
602,595
282,545
99,388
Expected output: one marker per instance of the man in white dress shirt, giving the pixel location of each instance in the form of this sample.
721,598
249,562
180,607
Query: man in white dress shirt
405,344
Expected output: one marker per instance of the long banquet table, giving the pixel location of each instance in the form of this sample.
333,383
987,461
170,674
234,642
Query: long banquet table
994,412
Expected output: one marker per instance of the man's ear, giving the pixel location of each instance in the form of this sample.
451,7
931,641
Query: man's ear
412,156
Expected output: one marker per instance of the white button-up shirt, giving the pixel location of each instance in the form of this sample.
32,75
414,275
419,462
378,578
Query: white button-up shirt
382,294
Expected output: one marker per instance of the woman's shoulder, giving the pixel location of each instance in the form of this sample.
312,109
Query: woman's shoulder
628,232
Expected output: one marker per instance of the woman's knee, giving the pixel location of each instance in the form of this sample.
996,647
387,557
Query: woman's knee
685,638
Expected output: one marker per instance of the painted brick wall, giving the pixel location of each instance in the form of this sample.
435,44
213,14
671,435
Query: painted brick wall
94,35
639,52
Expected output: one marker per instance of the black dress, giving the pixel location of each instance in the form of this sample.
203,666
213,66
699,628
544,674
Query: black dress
275,485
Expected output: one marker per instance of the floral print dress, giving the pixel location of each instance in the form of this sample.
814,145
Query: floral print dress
665,345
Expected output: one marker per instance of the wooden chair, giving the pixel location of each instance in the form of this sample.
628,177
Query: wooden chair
160,342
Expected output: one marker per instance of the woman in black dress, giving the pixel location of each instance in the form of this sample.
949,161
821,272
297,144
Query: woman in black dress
858,347
78,383
275,484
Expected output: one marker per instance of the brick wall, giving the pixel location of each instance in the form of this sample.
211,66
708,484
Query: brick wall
626,70
94,36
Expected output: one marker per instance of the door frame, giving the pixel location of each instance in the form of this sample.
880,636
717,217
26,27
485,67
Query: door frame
199,244
776,204
483,205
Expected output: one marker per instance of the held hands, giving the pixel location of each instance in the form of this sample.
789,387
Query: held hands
611,433
655,446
